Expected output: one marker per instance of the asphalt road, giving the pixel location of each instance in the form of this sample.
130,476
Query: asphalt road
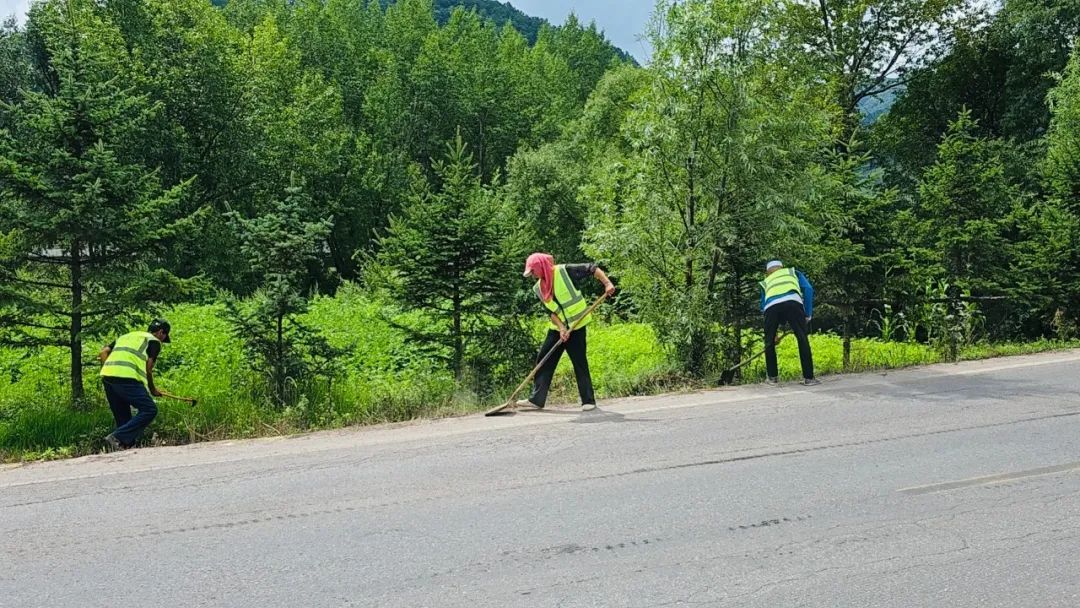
941,487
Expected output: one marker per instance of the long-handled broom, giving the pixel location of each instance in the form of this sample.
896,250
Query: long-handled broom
497,410
729,374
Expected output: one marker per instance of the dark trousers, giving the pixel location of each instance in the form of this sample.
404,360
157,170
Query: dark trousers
791,312
122,397
575,347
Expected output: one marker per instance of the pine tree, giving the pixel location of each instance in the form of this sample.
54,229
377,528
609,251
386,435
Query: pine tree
856,252
279,246
84,218
962,200
445,255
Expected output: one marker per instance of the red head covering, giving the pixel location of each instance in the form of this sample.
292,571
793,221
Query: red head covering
542,265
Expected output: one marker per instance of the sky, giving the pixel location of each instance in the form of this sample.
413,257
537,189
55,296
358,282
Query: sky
14,7
623,21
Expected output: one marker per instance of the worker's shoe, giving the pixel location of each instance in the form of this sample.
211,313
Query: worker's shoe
772,382
113,443
588,407
529,405
811,382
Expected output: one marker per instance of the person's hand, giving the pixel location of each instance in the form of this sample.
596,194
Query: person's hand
777,339
808,319
564,334
609,289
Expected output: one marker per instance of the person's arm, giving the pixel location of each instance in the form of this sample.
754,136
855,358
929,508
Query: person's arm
105,352
150,377
152,352
807,295
762,305
609,287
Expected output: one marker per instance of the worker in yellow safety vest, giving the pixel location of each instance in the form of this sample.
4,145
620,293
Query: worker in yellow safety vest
127,372
787,296
556,287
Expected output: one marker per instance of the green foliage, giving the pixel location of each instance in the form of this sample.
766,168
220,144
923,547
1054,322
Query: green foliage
88,217
497,12
1001,73
543,191
16,70
1062,165
720,152
962,199
868,47
448,254
858,254
586,52
987,237
1054,260
299,120
625,359
189,61
278,246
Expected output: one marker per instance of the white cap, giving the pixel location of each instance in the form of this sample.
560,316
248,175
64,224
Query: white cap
773,264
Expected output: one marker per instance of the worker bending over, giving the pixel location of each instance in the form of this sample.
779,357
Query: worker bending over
787,296
556,287
127,372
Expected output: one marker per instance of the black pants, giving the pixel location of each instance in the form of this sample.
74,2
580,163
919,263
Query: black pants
792,312
575,347
122,397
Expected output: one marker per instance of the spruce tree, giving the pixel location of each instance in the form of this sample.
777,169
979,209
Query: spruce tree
84,218
279,246
446,255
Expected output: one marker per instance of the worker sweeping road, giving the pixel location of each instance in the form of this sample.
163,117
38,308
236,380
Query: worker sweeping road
556,286
787,296
127,372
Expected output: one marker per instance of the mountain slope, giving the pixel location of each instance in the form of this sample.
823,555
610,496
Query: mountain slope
500,13
493,10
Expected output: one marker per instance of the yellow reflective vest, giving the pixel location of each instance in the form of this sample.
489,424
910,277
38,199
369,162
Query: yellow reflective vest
567,303
128,357
781,282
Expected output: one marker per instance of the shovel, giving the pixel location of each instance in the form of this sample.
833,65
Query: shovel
729,374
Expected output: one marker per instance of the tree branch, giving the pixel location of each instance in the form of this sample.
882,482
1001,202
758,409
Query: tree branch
871,40
870,89
16,322
8,277
823,5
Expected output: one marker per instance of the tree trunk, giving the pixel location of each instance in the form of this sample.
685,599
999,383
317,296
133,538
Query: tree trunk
847,340
691,217
736,319
279,364
847,350
459,343
75,337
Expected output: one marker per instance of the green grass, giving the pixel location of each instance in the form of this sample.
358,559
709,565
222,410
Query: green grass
386,378
866,354
1011,349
